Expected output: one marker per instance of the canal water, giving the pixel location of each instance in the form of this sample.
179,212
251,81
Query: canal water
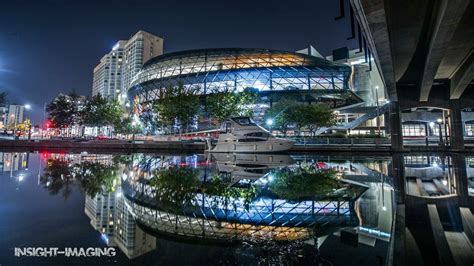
201,209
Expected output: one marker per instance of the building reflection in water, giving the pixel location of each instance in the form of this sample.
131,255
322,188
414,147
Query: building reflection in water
266,217
235,200
111,218
13,161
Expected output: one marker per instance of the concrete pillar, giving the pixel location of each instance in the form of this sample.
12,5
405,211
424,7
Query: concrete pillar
397,171
457,132
395,126
386,122
460,175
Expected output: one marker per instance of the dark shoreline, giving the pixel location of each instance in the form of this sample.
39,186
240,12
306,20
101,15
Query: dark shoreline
170,147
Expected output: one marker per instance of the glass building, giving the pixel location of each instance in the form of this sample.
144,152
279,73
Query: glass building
268,71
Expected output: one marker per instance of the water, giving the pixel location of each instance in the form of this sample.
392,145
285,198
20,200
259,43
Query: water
204,210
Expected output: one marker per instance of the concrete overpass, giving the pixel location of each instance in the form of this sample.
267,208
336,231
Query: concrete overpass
424,50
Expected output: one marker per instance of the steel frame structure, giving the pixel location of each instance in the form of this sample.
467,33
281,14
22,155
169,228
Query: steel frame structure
217,218
213,70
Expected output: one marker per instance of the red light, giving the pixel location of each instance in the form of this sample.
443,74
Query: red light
48,124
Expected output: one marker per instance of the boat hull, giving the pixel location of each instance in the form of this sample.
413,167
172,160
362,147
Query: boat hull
274,145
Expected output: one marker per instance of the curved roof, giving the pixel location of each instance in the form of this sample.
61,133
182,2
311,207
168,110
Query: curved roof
211,52
230,59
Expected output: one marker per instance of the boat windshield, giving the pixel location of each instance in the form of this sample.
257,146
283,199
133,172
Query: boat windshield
244,121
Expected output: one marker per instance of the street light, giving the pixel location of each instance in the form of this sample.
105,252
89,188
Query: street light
14,125
27,106
270,123
378,108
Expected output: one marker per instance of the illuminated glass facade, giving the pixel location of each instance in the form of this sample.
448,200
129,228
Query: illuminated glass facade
213,70
215,218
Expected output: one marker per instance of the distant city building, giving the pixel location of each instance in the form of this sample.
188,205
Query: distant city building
13,161
109,215
14,116
101,209
130,239
112,76
3,117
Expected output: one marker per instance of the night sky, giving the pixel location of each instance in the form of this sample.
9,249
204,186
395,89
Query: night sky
47,47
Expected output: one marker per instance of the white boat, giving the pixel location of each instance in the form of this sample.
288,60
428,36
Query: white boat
247,166
241,134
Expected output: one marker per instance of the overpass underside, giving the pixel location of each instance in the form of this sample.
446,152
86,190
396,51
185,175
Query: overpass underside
424,51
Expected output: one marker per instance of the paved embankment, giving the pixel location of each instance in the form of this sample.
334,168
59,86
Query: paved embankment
190,147
177,146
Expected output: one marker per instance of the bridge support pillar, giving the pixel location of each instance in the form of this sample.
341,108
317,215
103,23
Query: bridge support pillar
457,130
397,171
395,126
460,175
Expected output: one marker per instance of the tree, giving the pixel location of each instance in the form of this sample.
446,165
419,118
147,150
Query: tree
319,116
222,105
63,112
57,177
279,115
95,177
175,187
303,182
225,192
127,127
3,98
177,104
311,117
99,111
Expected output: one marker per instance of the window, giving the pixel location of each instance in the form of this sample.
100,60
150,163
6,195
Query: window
258,134
414,130
244,121
251,140
469,128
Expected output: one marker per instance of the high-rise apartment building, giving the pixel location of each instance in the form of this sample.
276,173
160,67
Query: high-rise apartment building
15,115
109,215
112,76
140,48
101,209
108,73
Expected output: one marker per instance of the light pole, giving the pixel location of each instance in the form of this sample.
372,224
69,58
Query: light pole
14,125
28,107
439,120
269,124
378,110
43,126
